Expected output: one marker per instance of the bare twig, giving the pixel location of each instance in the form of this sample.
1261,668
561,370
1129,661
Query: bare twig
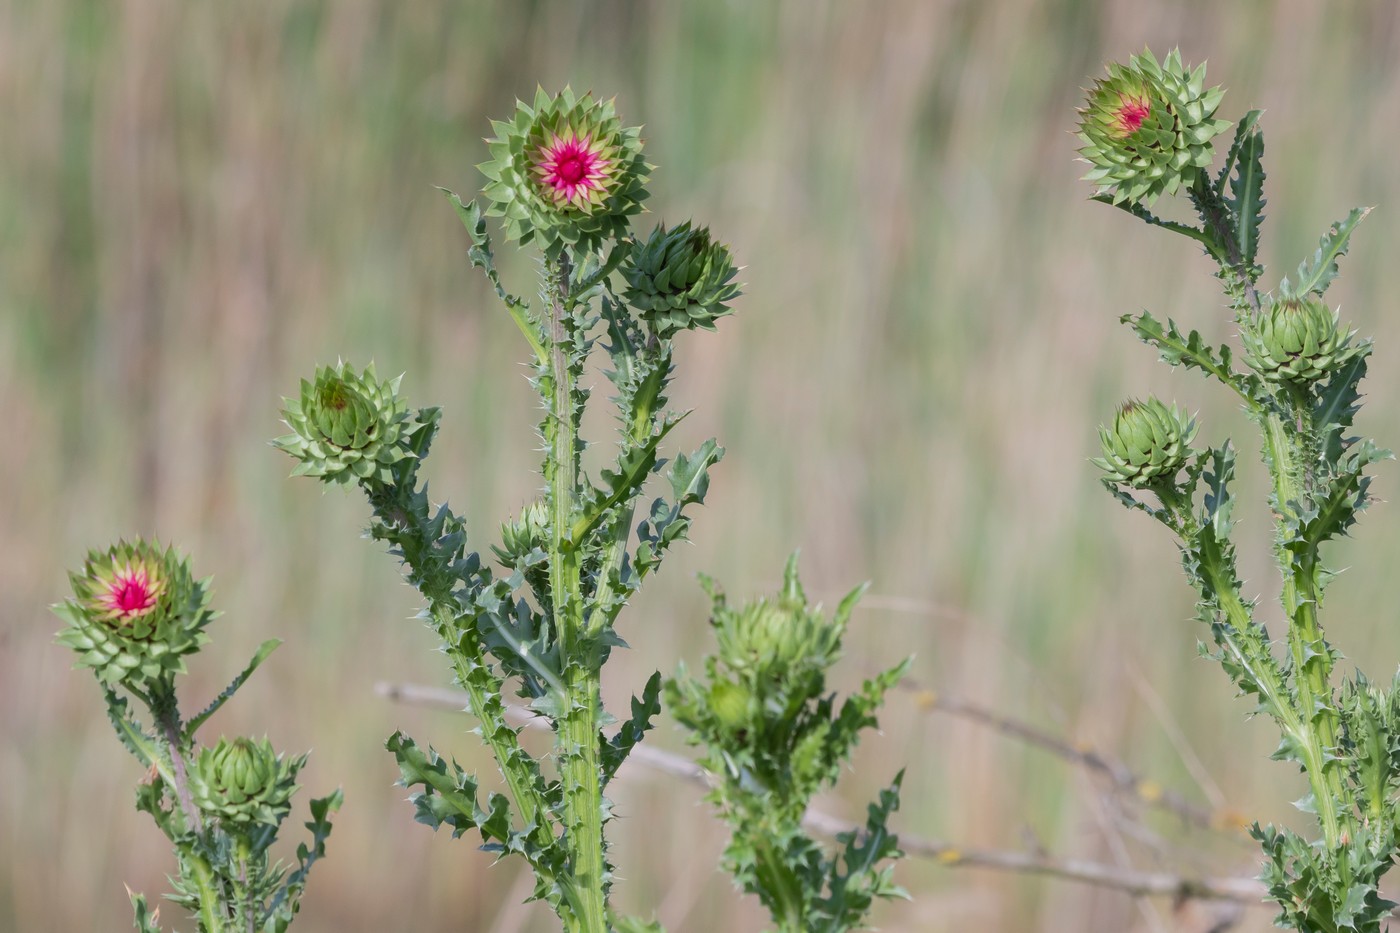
1128,880
1123,779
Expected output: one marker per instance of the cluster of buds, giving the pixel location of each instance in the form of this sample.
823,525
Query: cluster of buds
1147,445
244,783
1147,128
137,612
1296,341
348,426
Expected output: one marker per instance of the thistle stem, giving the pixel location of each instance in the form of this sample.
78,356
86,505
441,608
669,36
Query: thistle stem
1312,660
578,728
212,911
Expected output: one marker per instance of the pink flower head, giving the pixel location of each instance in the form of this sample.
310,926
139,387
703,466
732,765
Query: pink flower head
128,592
572,170
1130,113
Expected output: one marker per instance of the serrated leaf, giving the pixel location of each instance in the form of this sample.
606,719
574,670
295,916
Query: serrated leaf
1204,237
1247,201
1317,271
633,467
1242,130
616,749
261,655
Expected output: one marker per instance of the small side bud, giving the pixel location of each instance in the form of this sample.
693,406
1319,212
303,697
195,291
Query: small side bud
680,279
1296,340
1147,444
243,783
348,426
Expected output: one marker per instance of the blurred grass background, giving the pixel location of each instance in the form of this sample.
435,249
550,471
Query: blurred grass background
200,202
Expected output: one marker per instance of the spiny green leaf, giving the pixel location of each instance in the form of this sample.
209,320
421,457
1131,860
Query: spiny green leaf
264,650
1247,201
1317,271
616,749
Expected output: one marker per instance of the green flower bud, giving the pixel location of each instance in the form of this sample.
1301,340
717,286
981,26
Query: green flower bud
778,639
1147,445
137,612
244,782
348,427
1297,340
1147,128
520,537
680,279
565,172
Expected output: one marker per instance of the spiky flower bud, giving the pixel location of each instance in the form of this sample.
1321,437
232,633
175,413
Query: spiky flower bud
1147,128
244,782
137,612
525,535
1297,340
348,426
565,172
1147,445
778,639
680,279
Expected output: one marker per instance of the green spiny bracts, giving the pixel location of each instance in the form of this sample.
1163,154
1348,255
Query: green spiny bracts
348,426
244,782
1147,445
773,638
680,279
528,533
565,172
1147,128
136,614
1296,340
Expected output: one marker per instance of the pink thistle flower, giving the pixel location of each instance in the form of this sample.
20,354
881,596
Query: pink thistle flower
129,592
572,170
1130,114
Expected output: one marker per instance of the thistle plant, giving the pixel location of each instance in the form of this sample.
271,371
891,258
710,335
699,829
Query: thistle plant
538,614
1147,131
774,737
136,614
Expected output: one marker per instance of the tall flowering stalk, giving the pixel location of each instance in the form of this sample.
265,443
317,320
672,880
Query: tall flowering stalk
1147,131
566,176
136,614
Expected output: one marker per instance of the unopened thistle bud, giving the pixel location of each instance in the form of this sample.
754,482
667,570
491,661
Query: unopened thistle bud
680,279
565,172
136,613
348,426
1147,128
1296,340
244,782
1147,444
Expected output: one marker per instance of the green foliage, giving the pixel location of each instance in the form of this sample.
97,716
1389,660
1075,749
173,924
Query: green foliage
1302,391
220,807
774,737
565,175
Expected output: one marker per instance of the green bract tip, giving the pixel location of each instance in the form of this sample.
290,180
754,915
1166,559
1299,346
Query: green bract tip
565,172
244,782
137,612
680,279
1147,128
1296,340
348,426
1147,445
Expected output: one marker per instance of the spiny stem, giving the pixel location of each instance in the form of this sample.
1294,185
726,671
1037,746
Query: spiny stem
1311,661
212,912
578,730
